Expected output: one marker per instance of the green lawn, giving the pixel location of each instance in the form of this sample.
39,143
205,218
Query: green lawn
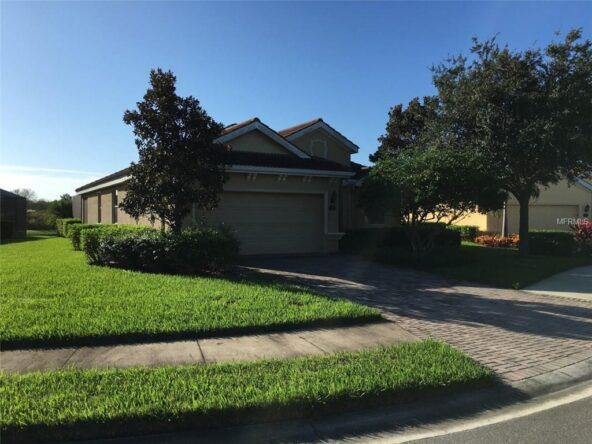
50,296
93,403
502,267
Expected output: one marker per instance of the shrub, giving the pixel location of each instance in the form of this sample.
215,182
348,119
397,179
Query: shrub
582,233
91,236
467,232
62,225
552,243
40,220
497,241
194,250
75,230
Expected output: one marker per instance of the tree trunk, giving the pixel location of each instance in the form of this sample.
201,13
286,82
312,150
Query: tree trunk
524,245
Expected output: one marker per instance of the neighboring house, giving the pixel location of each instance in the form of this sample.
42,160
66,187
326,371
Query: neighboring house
557,207
13,215
290,191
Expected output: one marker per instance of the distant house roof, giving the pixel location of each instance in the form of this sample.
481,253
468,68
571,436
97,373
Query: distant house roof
10,195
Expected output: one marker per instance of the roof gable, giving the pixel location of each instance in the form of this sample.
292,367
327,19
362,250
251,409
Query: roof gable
302,129
234,131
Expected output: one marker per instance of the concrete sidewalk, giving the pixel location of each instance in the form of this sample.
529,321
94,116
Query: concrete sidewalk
204,351
575,283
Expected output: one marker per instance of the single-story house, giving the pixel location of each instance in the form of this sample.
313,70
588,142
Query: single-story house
290,191
13,215
556,208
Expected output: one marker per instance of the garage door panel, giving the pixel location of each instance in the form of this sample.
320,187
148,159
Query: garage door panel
270,223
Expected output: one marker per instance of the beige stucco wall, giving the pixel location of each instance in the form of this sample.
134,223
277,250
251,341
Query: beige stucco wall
478,219
334,150
563,193
106,207
555,202
257,142
91,215
91,209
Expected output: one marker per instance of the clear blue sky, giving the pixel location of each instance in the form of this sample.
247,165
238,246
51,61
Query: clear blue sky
69,70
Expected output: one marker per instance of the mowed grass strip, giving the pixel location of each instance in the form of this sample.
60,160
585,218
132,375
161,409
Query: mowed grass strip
50,296
91,403
504,267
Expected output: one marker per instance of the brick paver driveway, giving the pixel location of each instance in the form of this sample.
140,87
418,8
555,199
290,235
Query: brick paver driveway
518,334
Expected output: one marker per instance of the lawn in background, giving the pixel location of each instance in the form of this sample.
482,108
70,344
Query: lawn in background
50,296
504,267
93,403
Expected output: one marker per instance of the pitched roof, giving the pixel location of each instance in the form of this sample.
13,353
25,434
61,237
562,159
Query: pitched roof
247,159
116,175
235,126
10,195
294,129
291,133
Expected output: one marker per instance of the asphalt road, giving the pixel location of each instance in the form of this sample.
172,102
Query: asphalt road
569,423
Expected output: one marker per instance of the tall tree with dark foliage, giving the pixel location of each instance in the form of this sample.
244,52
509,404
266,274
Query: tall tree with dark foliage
179,163
529,112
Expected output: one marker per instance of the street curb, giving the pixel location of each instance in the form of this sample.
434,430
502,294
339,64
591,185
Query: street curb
388,419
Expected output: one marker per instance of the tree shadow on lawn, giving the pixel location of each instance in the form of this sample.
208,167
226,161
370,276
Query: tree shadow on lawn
419,295
236,275
31,236
337,417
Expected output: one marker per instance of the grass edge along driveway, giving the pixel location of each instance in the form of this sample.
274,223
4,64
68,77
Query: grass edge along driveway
504,267
50,296
70,404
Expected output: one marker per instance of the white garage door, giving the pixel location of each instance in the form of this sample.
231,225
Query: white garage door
542,217
273,223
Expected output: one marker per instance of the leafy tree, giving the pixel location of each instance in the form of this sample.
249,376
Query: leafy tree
431,184
61,207
423,174
405,126
529,113
179,163
27,193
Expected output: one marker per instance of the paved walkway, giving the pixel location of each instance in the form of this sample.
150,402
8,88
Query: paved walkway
576,283
518,334
250,347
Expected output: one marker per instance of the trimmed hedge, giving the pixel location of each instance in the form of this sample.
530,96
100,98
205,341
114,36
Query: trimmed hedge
75,230
552,243
91,236
194,250
62,225
467,232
